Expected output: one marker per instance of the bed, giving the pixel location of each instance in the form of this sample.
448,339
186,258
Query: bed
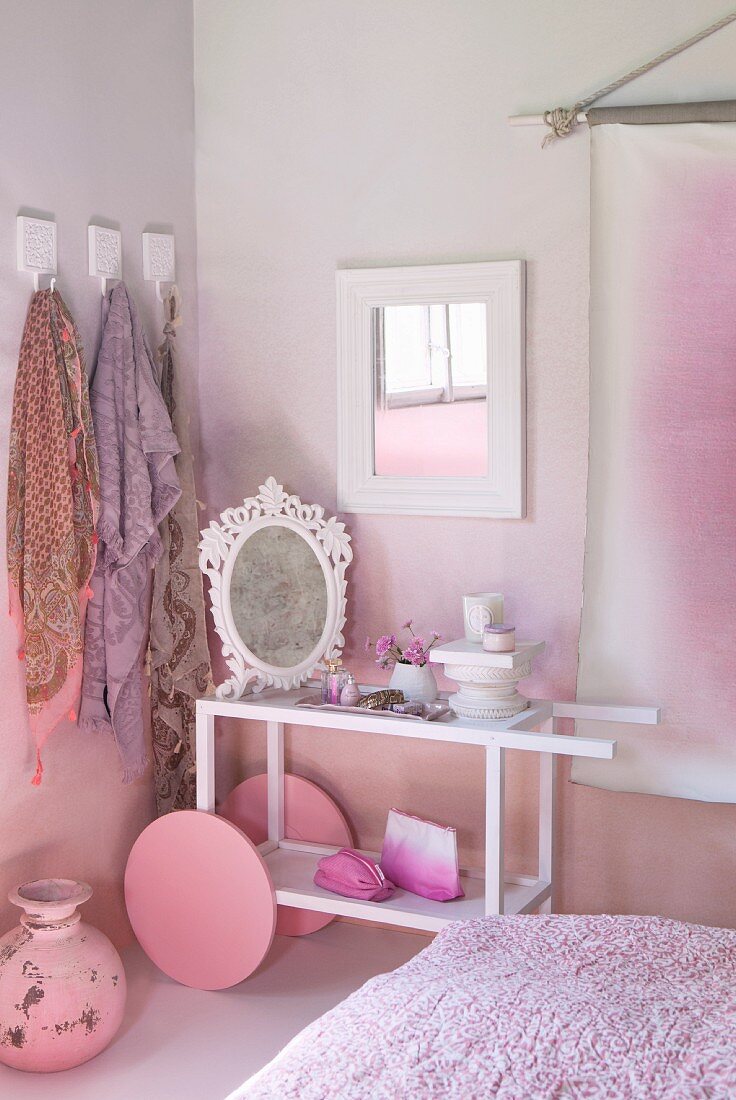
533,1007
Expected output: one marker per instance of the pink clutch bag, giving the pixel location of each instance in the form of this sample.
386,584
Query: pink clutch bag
353,875
421,857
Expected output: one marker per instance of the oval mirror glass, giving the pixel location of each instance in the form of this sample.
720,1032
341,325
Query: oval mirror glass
278,596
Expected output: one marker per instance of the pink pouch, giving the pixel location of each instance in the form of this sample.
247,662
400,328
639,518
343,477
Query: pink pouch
353,875
421,857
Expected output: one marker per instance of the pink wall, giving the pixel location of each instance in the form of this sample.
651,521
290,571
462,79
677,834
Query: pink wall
86,136
334,135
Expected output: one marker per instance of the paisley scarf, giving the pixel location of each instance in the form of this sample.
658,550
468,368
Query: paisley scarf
53,497
180,659
138,486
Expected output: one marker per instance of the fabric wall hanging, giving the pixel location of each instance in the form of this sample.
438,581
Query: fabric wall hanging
180,659
138,487
53,499
659,577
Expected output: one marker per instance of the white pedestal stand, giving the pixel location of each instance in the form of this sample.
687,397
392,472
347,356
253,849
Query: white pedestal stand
488,681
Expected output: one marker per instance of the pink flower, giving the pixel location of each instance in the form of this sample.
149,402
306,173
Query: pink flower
414,652
384,644
407,624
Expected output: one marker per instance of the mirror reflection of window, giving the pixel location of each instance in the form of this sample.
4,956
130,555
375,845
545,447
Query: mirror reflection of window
431,383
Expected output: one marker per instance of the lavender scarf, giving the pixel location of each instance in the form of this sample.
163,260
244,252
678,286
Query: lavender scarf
138,487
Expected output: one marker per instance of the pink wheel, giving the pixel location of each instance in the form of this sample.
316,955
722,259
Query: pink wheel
200,899
309,814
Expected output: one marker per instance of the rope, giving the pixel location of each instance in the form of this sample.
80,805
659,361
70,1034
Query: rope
563,120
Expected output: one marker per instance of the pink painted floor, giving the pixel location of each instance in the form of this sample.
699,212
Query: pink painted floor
183,1044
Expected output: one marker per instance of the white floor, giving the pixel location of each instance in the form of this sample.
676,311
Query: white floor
183,1044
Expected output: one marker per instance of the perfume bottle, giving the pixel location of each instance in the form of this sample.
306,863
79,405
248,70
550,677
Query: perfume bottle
333,681
350,695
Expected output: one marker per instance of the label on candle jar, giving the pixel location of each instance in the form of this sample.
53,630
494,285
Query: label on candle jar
479,617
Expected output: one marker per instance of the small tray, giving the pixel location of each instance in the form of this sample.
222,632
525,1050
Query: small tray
431,711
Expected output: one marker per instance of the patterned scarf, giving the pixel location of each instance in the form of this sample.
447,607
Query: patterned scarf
180,659
53,498
139,486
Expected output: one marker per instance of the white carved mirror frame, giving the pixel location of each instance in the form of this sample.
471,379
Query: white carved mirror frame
219,548
501,492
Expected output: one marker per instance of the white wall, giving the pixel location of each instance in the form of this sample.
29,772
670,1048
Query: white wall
336,133
97,124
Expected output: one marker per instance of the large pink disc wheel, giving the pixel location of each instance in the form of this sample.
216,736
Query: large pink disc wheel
200,899
309,815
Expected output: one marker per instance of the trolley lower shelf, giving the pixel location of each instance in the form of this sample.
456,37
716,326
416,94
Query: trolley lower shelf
292,868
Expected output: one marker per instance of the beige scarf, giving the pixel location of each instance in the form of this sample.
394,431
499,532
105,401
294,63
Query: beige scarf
180,660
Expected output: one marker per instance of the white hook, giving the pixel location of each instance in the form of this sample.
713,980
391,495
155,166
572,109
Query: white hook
53,284
159,263
36,247
37,284
104,248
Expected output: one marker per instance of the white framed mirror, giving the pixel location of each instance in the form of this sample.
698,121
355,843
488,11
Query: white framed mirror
276,569
431,389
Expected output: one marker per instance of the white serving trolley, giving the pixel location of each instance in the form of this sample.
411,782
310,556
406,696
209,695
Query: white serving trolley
202,888
292,864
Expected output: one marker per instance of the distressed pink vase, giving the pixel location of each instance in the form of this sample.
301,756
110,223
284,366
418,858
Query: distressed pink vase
62,984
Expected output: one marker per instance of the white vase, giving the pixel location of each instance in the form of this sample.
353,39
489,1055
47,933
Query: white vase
416,681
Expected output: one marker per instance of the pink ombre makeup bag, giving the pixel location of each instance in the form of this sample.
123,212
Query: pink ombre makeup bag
353,875
421,857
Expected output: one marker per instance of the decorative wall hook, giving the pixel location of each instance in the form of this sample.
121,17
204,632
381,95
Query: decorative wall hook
105,248
36,247
159,258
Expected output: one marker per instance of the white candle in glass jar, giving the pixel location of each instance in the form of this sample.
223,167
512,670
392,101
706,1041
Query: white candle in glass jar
499,638
481,609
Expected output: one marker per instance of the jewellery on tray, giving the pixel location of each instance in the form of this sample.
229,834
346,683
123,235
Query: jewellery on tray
381,700
408,708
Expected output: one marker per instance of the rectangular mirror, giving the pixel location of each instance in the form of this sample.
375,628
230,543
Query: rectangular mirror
431,389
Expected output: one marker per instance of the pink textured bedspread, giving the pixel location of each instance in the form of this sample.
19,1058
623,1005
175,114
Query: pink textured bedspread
530,1007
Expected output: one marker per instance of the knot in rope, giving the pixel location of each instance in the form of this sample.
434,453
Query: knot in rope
561,121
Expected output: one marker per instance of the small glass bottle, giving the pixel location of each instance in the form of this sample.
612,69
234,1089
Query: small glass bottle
325,684
350,694
333,681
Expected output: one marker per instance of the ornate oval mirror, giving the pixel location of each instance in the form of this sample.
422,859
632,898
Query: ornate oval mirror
277,589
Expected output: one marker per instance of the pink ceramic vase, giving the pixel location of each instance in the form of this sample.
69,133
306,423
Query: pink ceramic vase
62,984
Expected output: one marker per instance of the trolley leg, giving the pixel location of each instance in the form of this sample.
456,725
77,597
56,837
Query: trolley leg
547,783
205,761
275,771
495,768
